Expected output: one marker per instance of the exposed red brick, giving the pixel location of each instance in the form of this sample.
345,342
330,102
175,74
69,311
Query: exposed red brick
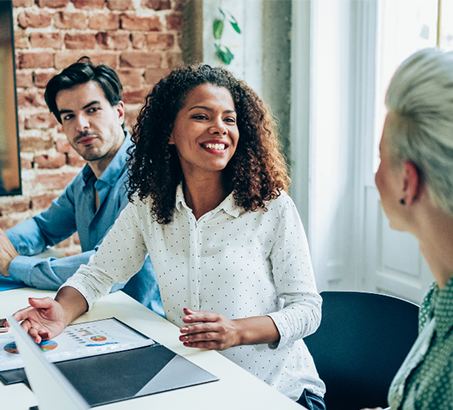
65,58
153,75
40,120
179,4
134,22
105,21
157,4
74,159
120,5
174,21
131,117
62,145
115,41
24,79
46,40
43,201
134,96
47,161
80,41
32,144
33,59
34,19
157,41
72,252
54,180
14,205
174,60
138,40
21,121
22,3
70,20
20,39
42,78
53,4
30,98
64,244
8,222
139,59
89,4
25,163
130,77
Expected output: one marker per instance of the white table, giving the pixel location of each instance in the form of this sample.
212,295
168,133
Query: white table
237,389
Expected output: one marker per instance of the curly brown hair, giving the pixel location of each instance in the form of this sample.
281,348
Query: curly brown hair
256,173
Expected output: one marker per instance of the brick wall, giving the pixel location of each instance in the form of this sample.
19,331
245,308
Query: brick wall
140,39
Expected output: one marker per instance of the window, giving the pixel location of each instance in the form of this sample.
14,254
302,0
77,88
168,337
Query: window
405,27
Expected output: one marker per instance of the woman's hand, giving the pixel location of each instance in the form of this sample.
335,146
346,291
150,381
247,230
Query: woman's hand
43,319
208,330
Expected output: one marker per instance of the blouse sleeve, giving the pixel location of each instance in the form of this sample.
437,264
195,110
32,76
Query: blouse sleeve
300,315
121,255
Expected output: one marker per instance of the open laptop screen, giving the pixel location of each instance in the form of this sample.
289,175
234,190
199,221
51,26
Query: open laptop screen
53,391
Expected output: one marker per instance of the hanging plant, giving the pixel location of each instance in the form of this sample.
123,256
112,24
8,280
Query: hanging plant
223,52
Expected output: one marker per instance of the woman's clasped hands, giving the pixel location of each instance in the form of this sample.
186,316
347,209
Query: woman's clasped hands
209,330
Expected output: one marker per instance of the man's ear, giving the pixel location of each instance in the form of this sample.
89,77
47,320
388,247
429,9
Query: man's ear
411,182
121,112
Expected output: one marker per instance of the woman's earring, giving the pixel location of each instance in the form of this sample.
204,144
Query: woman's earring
402,202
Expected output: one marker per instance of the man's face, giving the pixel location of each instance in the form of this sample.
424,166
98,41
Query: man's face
91,124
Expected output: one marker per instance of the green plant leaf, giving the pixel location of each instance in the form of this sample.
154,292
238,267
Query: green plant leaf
218,29
234,23
235,26
224,54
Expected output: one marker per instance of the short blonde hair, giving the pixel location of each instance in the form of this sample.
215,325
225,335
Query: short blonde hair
420,96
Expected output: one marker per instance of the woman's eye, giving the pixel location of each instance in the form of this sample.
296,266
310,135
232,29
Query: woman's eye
199,117
230,120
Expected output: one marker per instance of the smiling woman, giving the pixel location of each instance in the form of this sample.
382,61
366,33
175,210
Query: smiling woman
209,204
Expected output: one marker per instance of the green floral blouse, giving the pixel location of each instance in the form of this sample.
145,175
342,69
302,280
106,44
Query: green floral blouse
425,379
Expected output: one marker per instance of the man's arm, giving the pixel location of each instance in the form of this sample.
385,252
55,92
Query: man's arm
34,235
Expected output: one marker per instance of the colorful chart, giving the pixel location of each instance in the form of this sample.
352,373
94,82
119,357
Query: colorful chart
11,348
48,345
98,338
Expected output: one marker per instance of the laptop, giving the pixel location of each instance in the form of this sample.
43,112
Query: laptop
51,388
92,381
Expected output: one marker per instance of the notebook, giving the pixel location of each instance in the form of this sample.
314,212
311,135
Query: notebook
105,378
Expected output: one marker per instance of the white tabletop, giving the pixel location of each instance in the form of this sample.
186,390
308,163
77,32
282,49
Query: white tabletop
236,389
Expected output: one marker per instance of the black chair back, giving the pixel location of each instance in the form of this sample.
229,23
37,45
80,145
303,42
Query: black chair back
362,341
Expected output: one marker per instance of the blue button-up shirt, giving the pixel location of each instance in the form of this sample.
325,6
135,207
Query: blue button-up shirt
74,211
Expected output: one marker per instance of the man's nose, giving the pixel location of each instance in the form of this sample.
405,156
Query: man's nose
82,123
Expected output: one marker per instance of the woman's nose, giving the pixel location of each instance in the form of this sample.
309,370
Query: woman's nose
218,127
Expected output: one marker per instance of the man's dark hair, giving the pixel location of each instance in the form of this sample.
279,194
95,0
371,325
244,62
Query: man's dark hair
82,72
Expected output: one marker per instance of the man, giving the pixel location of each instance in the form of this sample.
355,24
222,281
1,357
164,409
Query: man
86,100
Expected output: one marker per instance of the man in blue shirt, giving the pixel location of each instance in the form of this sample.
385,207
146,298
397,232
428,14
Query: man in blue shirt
86,100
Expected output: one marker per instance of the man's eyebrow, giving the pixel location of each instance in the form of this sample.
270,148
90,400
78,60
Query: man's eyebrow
208,109
84,107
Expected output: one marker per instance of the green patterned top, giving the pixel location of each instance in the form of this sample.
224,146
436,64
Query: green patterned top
425,379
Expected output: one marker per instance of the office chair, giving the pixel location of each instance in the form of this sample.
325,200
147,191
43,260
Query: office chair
362,341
